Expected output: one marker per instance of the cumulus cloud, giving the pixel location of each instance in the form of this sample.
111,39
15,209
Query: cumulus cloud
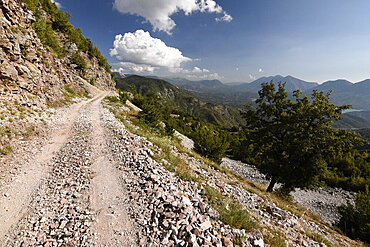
159,12
252,77
139,53
137,68
121,71
140,48
199,70
195,70
57,4
260,70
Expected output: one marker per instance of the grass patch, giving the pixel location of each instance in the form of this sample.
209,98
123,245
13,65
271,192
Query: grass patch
231,212
7,131
113,99
170,161
5,150
69,93
274,238
318,238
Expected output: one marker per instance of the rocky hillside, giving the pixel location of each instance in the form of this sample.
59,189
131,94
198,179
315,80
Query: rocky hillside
41,66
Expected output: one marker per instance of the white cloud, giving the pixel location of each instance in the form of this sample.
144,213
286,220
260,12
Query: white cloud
140,48
236,69
159,12
225,18
195,70
121,71
57,4
137,68
199,70
252,77
260,70
139,53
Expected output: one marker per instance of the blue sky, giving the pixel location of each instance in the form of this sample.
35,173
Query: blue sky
313,40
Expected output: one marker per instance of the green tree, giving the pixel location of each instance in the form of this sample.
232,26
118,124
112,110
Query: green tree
210,142
152,112
293,138
350,171
355,218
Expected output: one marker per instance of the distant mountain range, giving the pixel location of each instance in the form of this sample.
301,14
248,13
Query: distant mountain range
291,84
239,94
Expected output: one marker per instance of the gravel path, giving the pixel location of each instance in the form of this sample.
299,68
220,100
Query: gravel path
113,226
70,194
17,195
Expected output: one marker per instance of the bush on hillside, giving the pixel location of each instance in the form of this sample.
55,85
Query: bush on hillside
59,22
45,33
210,143
350,172
78,61
355,218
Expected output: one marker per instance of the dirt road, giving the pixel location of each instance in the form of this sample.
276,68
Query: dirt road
70,192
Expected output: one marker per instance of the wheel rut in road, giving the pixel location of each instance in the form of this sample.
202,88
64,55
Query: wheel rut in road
113,226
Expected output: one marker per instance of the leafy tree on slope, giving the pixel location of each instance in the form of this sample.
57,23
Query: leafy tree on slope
293,138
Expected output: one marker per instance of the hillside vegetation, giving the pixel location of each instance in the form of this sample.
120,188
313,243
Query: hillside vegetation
182,101
56,21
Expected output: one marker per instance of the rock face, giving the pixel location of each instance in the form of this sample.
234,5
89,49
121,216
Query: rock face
29,72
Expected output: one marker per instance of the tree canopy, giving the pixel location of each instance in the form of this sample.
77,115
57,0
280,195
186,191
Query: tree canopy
292,137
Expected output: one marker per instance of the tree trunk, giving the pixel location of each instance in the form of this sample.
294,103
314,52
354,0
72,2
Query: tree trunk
271,185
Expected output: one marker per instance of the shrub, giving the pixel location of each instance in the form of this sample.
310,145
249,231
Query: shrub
350,172
6,150
79,61
209,142
47,36
355,218
59,21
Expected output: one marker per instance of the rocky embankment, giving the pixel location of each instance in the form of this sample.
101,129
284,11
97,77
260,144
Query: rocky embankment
323,201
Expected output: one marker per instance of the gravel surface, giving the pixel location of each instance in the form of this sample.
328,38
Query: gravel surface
59,213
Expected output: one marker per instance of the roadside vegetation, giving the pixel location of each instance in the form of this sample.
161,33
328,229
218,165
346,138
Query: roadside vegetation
236,215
